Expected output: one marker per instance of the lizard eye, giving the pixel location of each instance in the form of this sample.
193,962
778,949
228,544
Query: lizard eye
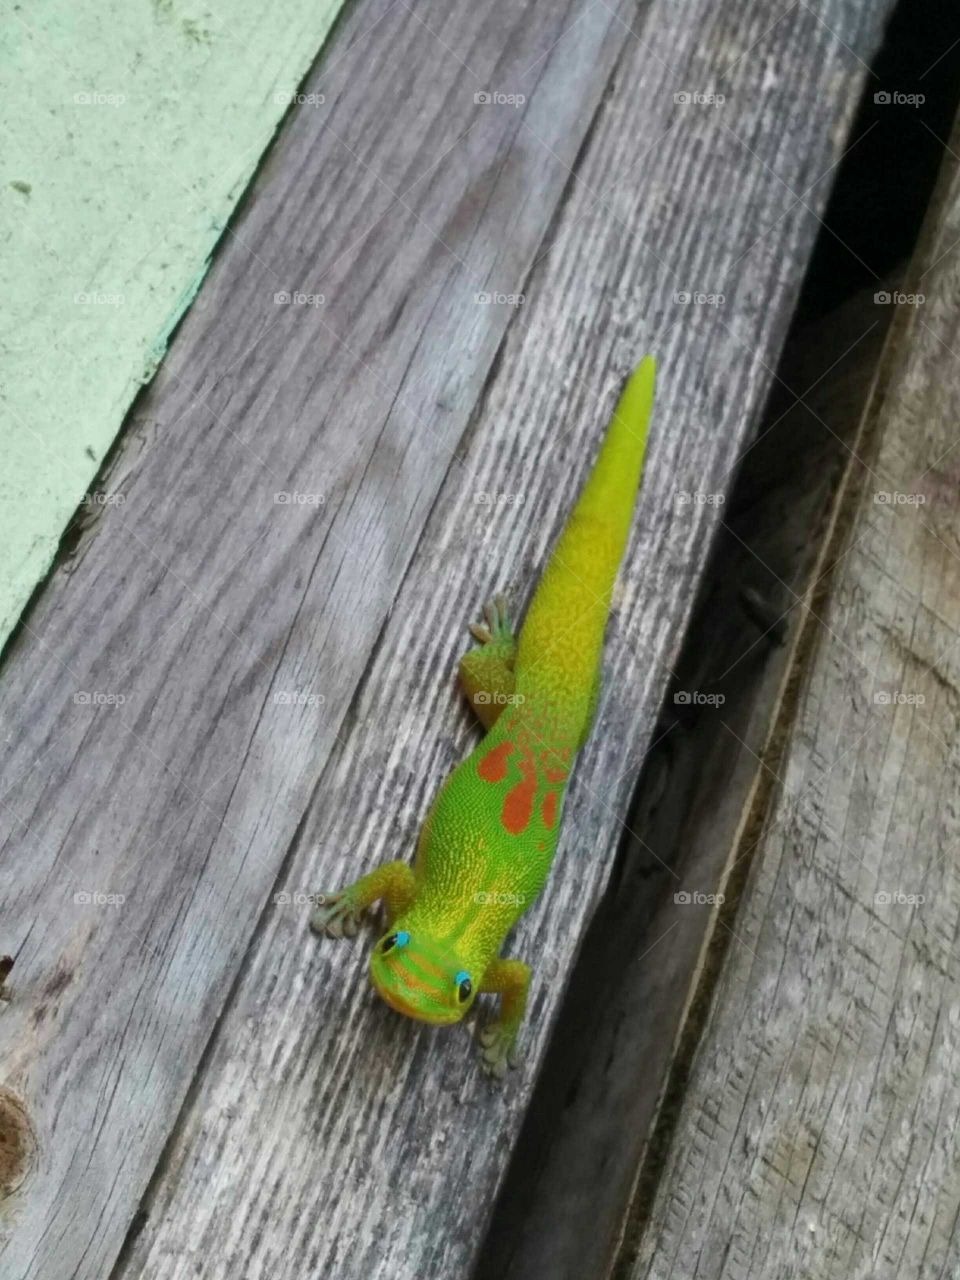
464,986
398,939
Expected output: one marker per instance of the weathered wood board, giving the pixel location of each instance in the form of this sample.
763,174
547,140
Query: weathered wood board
285,663
817,1134
130,132
585,1138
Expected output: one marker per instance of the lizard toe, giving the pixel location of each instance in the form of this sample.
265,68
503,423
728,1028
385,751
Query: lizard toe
498,1053
335,917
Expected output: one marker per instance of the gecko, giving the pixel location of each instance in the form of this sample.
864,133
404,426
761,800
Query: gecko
489,838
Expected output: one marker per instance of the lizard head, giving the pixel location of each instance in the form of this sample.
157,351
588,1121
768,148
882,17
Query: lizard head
420,978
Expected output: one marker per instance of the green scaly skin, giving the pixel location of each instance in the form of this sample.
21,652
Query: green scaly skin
489,839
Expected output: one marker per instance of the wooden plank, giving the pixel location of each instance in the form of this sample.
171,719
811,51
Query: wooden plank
130,132
587,1131
157,755
817,1133
324,1136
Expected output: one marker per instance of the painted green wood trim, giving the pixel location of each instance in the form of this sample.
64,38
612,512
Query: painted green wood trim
130,128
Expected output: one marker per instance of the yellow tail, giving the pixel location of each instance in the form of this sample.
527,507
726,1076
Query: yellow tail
561,642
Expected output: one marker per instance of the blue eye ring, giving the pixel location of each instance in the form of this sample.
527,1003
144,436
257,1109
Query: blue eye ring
464,986
398,939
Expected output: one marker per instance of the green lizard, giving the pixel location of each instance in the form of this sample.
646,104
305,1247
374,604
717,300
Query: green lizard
490,836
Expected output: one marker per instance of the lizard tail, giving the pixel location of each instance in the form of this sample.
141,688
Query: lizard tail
561,642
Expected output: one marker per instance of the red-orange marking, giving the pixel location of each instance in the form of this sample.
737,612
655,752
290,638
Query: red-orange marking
549,809
518,803
493,766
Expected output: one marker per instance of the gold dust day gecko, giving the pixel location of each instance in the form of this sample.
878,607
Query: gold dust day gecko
490,836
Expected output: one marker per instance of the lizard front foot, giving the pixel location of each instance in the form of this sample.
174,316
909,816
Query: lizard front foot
499,1049
336,915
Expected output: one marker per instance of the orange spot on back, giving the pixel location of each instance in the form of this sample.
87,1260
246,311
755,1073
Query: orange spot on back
493,766
518,803
549,809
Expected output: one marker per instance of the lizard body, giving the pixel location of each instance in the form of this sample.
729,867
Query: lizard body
490,836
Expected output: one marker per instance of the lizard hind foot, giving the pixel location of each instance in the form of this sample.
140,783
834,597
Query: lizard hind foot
336,915
496,615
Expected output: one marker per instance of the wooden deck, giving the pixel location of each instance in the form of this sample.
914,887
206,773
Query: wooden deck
817,1132
238,688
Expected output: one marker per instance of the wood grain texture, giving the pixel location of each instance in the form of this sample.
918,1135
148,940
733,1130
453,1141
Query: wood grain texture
130,132
323,1135
286,666
586,1134
817,1135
